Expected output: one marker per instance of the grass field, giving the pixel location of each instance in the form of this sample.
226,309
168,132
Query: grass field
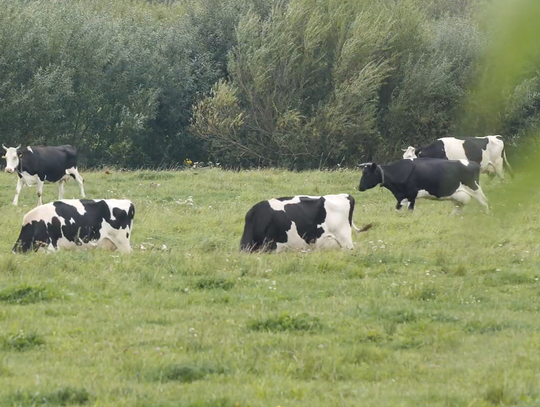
429,309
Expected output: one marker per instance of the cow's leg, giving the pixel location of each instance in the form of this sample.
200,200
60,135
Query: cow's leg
458,209
75,174
480,197
401,199
39,191
498,165
411,196
345,241
61,189
20,183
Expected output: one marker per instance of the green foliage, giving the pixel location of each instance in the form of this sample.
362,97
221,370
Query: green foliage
297,84
341,82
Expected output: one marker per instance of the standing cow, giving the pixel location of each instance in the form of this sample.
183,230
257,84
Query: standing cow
487,151
430,178
78,223
300,222
36,165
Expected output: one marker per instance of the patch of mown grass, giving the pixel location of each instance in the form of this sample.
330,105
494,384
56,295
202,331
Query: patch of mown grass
484,327
63,396
214,283
26,294
286,322
21,341
184,373
218,402
153,175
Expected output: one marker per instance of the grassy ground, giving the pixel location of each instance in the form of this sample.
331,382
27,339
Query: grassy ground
429,309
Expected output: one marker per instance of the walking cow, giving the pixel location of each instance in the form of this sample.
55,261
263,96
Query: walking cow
430,178
36,165
74,223
300,222
487,151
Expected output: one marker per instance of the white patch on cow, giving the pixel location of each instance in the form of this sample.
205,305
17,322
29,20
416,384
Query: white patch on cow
423,194
72,221
336,223
41,213
30,149
278,205
76,203
409,153
492,156
28,179
336,227
294,240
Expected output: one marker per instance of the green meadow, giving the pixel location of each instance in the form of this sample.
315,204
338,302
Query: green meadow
429,309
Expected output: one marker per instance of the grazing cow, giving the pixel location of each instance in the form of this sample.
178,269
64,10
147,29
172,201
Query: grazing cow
300,222
430,178
36,165
78,223
487,151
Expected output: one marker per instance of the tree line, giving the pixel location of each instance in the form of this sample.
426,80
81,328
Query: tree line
292,83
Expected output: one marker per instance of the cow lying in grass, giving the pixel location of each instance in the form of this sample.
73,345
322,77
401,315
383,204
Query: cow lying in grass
74,223
300,222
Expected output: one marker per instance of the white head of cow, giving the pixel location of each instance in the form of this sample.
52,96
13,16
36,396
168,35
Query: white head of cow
409,153
12,158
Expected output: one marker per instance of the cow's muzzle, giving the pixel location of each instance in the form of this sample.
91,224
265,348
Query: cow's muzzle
10,170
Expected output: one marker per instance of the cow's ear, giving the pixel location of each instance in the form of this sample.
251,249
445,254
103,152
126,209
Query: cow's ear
3,156
404,149
373,166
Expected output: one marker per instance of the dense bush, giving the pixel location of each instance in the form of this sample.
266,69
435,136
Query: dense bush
299,83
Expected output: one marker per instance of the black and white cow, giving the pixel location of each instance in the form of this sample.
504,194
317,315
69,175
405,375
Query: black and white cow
36,165
430,178
78,223
300,222
487,151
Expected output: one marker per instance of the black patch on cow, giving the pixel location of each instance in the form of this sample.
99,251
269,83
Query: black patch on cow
77,228
473,148
265,227
404,178
351,208
434,150
49,163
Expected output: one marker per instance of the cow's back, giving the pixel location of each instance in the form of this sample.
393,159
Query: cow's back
49,163
437,176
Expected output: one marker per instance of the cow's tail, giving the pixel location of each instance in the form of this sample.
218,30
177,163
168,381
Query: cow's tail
256,226
508,167
363,229
351,211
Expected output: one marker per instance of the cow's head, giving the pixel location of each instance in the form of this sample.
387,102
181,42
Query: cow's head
409,153
12,157
371,176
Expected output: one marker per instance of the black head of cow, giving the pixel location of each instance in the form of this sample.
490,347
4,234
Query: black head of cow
371,176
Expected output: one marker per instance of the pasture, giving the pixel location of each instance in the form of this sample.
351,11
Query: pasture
429,309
